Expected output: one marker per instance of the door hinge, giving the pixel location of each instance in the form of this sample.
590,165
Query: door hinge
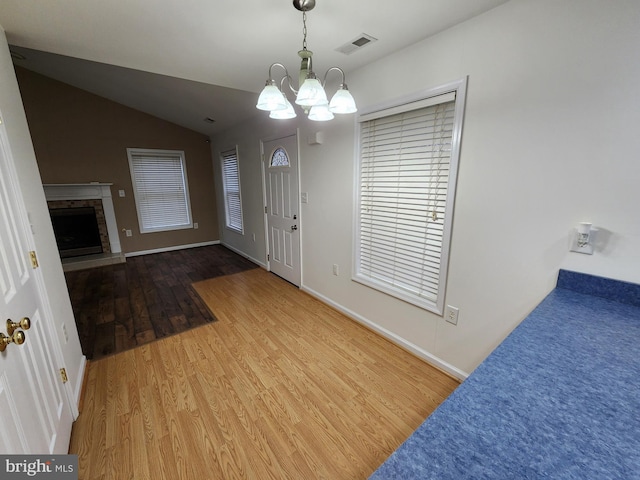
265,210
268,257
34,259
63,375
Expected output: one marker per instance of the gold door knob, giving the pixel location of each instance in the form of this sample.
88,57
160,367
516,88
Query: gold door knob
24,324
17,338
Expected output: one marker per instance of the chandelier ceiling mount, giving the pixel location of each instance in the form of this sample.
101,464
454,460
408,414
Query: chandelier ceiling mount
304,5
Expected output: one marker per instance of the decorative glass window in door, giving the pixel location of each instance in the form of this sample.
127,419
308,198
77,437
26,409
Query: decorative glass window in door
279,158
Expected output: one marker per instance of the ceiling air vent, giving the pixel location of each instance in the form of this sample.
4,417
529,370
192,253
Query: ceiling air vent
357,43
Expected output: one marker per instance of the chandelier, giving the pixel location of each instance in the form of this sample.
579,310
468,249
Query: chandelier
311,95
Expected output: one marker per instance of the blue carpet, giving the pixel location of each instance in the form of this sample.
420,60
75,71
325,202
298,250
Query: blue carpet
559,398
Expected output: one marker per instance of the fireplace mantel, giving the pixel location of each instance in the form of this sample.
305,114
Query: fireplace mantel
89,191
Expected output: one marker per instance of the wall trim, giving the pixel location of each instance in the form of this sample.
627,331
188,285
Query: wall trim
396,339
170,249
242,254
76,394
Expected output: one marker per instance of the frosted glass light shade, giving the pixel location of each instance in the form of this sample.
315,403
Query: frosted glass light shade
311,93
285,113
343,102
271,99
320,113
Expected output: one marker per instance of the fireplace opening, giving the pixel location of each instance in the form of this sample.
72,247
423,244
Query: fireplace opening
76,231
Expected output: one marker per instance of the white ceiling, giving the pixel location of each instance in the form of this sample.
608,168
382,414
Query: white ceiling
171,58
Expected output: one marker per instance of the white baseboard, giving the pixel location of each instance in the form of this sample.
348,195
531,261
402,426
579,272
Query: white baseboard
401,342
248,257
170,249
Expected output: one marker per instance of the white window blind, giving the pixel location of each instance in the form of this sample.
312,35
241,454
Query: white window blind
405,199
160,188
231,185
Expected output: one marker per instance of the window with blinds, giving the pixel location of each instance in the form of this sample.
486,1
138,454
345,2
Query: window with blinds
231,186
160,189
408,157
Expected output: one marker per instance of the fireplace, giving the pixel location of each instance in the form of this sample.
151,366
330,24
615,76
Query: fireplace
80,227
76,231
86,202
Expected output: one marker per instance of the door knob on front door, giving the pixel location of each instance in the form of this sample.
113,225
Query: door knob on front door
24,324
17,338
294,227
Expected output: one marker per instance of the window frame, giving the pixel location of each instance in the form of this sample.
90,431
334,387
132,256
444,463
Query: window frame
229,224
171,154
458,88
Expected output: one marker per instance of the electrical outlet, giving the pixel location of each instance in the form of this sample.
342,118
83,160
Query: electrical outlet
128,233
195,225
451,315
336,269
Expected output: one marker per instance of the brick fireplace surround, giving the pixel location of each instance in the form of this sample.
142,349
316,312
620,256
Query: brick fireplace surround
97,205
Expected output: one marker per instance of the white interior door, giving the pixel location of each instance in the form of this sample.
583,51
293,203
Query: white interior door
36,415
283,217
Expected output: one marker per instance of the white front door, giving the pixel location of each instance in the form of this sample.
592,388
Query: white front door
280,158
36,415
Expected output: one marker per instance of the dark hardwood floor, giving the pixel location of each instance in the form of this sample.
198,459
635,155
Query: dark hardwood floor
118,307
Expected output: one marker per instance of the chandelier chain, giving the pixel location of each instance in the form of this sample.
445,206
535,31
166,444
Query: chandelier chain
304,30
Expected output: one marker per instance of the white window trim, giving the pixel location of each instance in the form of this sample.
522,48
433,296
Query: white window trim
131,153
458,88
227,213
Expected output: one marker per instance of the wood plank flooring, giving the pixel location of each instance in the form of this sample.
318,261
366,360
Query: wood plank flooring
118,307
280,387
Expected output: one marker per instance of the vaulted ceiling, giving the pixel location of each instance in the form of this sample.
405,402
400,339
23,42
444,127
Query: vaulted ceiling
188,60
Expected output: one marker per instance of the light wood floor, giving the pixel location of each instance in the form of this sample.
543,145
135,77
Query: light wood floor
281,387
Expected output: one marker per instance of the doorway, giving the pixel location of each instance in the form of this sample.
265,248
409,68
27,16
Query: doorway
280,167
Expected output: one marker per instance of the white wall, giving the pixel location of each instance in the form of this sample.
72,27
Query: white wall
549,140
33,196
